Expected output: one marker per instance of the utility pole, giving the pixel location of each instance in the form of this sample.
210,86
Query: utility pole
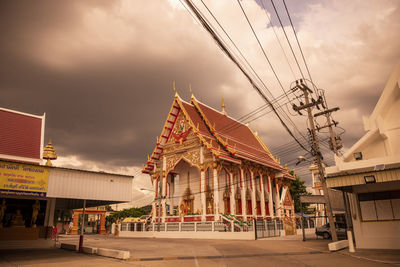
335,146
80,248
316,151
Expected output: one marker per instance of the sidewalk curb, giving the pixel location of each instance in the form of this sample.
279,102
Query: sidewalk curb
222,256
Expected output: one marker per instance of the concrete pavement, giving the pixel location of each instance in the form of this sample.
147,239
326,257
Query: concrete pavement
185,252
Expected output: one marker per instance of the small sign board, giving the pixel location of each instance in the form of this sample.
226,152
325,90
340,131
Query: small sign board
23,179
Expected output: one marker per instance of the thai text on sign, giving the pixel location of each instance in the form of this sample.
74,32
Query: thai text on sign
23,179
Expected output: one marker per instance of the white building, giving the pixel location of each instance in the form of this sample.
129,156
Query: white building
370,172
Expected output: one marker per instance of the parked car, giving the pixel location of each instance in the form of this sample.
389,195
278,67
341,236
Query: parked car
131,220
325,232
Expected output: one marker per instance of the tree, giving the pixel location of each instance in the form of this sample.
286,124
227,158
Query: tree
297,188
133,212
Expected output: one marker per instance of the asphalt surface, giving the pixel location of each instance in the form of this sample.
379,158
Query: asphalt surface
288,251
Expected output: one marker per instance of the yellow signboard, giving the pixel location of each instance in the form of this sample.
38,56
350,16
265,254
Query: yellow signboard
23,179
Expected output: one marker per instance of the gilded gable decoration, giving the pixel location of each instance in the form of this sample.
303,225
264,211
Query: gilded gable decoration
181,129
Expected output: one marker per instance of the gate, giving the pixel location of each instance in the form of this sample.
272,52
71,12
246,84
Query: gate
266,229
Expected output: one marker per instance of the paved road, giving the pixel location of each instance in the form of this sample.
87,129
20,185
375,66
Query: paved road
197,252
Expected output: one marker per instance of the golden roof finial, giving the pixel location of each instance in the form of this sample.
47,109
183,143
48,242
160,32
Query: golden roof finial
191,92
173,87
49,153
223,106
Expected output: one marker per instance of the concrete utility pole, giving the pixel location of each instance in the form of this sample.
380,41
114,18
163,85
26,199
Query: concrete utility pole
316,151
335,146
80,248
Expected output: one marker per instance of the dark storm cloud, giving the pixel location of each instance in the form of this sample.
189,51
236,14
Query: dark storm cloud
110,107
103,70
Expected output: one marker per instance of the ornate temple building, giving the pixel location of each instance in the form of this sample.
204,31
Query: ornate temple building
207,165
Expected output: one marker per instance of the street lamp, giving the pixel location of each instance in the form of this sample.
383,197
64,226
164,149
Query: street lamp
300,159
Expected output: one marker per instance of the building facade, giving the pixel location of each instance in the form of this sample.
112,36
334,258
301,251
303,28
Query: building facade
31,193
206,165
369,173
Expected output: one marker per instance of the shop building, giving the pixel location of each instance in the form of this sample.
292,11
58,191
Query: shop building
31,193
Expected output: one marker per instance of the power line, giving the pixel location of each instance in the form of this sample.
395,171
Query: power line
298,43
284,31
284,113
266,57
233,59
237,48
277,38
259,43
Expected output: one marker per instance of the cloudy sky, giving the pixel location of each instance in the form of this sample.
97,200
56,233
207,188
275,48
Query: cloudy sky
102,71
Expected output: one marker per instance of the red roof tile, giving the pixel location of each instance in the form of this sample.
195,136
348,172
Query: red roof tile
229,139
238,135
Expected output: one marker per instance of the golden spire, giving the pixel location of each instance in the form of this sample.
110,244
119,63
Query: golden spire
191,92
223,106
49,153
173,87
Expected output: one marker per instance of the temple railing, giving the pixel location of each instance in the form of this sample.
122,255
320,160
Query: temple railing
265,228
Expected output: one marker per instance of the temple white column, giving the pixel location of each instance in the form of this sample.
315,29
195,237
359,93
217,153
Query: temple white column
202,186
277,200
171,193
155,202
243,195
253,195
262,198
270,200
232,195
164,188
216,191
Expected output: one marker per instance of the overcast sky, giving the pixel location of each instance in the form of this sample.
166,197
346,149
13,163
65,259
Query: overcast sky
102,71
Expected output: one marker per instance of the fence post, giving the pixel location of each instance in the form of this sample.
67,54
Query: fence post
195,226
232,226
165,226
275,227
180,227
153,227
265,226
255,228
212,226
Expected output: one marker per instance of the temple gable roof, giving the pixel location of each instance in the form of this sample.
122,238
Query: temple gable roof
223,136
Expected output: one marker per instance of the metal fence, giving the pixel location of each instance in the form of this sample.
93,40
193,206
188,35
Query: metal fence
268,228
311,221
264,228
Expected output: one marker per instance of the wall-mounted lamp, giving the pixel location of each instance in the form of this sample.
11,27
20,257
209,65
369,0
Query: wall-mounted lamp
379,167
357,155
369,179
